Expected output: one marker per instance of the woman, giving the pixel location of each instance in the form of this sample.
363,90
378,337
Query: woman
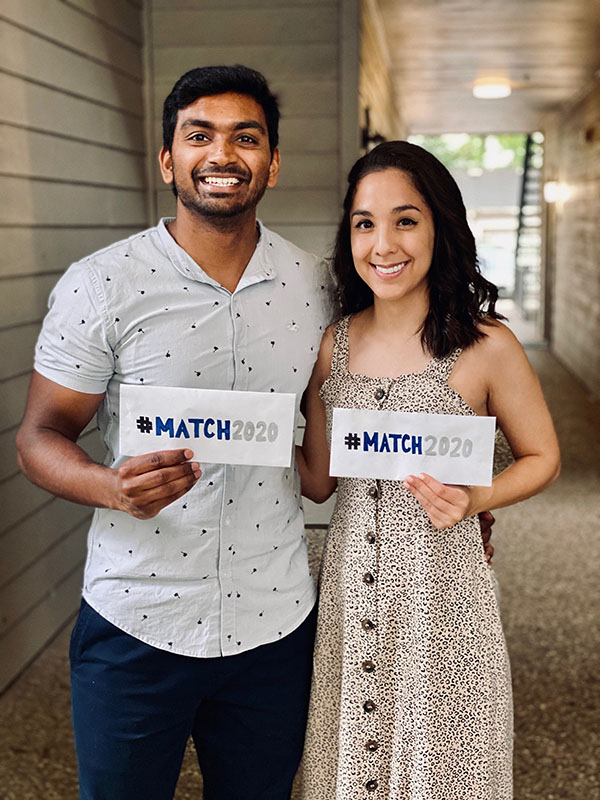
411,693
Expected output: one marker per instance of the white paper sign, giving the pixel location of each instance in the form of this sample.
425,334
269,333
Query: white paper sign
221,427
394,444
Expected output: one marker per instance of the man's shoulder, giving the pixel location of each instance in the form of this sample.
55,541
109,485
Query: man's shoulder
133,245
284,247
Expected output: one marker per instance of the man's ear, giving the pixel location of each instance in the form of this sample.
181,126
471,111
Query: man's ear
166,165
274,169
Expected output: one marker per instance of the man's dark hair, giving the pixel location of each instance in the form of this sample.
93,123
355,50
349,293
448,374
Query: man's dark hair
460,298
206,81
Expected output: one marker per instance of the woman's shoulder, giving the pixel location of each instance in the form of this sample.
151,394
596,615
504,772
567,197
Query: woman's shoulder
497,338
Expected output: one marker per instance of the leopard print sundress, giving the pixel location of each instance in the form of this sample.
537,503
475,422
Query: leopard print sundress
411,693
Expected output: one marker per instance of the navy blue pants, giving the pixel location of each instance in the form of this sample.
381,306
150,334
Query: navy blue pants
134,708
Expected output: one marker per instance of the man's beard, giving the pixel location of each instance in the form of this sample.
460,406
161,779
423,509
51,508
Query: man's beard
211,206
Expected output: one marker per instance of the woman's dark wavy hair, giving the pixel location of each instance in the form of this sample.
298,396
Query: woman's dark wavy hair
460,298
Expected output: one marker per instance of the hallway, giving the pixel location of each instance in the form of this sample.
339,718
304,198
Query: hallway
547,551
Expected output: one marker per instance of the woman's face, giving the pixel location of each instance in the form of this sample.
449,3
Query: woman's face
392,235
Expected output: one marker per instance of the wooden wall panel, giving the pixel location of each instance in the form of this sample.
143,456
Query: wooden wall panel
29,250
72,180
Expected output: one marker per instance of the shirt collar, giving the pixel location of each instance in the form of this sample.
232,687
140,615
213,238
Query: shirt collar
261,266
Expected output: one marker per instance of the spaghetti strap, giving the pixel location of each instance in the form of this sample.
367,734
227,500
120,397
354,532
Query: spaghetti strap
442,367
339,356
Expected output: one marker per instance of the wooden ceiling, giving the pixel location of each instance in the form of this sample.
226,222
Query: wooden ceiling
548,49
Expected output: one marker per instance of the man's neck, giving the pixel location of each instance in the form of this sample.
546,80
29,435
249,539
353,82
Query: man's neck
222,247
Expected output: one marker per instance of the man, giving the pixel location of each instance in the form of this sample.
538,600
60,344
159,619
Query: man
197,613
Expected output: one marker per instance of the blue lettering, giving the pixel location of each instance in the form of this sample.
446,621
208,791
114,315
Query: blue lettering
196,422
417,445
209,434
182,431
385,448
394,437
370,441
164,426
224,429
405,438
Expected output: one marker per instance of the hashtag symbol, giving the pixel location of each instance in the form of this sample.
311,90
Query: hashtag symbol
352,441
144,424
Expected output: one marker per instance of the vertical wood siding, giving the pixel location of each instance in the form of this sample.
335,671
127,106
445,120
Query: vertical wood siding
72,179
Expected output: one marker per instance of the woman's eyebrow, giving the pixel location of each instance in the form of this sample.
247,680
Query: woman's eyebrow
359,212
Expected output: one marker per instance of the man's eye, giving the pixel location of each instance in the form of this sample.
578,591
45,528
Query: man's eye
245,139
198,137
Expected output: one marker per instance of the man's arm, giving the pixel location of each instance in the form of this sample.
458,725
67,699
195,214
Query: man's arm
50,457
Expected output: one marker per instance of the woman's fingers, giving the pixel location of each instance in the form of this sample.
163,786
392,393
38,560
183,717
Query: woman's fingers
445,504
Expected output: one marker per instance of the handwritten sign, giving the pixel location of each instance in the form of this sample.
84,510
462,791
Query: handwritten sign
394,444
221,427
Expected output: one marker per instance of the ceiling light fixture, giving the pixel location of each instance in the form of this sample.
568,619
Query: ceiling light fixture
491,88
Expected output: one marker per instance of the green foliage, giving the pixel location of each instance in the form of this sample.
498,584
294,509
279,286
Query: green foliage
465,151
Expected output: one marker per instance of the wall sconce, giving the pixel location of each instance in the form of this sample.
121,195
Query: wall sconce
556,191
491,88
369,139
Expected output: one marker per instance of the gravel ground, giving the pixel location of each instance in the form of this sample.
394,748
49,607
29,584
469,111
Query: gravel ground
547,551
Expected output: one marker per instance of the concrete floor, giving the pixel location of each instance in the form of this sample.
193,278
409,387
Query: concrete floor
547,552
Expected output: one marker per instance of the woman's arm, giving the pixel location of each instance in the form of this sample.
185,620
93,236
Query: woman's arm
313,455
515,397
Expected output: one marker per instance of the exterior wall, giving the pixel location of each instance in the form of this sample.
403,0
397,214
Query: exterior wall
375,90
573,146
297,46
72,179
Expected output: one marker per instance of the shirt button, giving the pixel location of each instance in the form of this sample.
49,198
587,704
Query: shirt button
369,706
368,666
380,394
373,492
371,745
370,537
370,786
367,624
369,578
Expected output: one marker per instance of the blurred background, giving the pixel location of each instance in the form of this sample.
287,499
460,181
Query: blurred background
505,92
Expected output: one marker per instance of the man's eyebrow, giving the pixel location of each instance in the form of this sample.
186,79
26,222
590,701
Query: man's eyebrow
239,126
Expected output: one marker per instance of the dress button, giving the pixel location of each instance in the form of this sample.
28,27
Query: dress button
370,786
369,706
367,624
369,578
373,492
370,537
371,745
380,394
368,666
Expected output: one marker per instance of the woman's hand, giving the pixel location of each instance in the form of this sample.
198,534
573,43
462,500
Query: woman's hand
445,504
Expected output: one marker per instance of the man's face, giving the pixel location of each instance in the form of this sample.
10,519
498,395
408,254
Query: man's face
220,161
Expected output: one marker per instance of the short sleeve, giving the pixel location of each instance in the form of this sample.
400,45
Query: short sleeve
73,349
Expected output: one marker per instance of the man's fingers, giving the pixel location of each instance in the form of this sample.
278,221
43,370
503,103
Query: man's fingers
139,484
148,462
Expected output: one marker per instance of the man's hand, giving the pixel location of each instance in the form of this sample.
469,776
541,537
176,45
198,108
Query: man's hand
145,484
486,520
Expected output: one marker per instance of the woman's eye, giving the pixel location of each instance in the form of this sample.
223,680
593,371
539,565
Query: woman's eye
407,222
363,224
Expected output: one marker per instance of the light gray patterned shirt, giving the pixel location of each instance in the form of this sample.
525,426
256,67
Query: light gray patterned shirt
224,568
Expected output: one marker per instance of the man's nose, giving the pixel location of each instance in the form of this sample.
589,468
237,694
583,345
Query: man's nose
221,151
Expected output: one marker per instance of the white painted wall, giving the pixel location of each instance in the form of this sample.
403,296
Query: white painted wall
72,179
